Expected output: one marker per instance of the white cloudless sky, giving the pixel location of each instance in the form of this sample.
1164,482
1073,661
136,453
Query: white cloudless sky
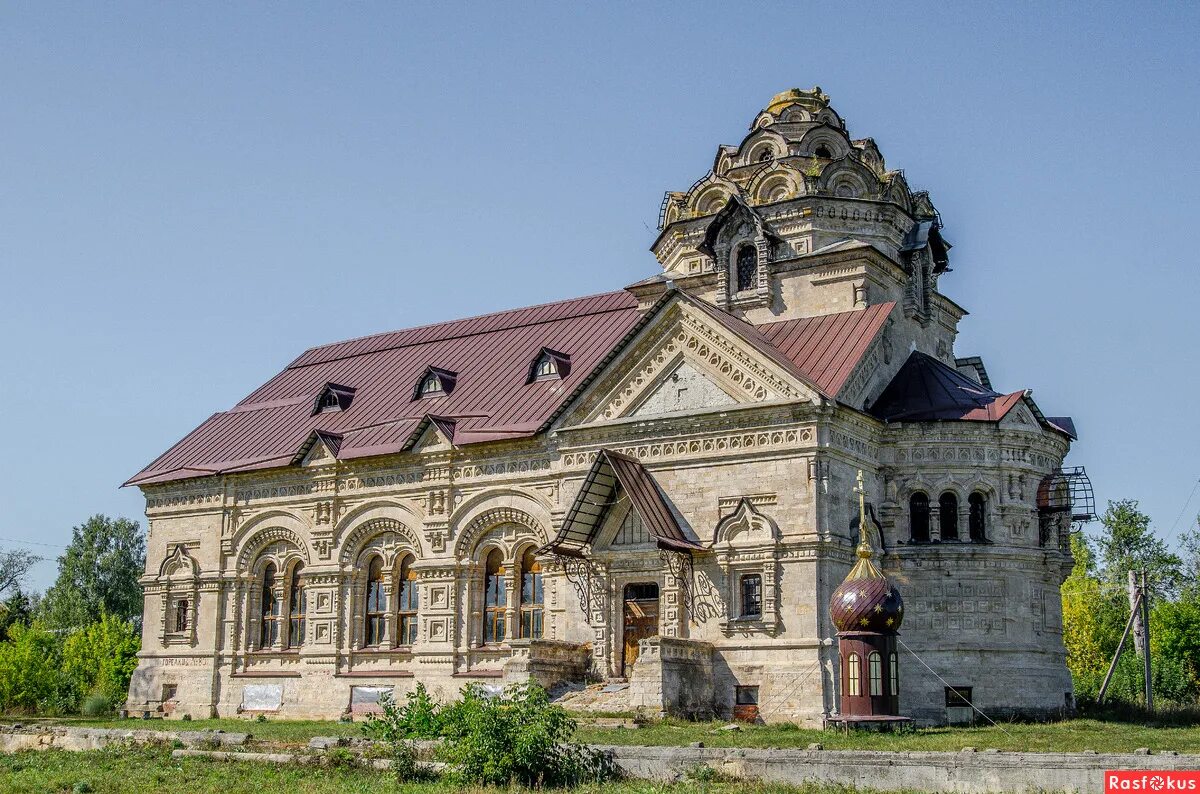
191,194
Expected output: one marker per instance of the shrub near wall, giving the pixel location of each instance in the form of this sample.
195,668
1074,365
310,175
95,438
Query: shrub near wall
48,672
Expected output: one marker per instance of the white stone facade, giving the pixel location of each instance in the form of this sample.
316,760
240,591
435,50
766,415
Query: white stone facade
757,462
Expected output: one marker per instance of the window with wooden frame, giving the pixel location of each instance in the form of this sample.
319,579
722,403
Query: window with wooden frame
948,515
875,673
853,676
918,517
268,634
532,596
407,603
495,599
751,587
297,608
376,613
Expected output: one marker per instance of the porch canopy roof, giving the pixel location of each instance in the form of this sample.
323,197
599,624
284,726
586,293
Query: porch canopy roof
610,472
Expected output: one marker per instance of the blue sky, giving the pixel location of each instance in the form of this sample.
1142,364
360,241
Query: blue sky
190,195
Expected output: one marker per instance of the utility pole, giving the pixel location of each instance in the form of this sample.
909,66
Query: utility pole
1140,614
1145,594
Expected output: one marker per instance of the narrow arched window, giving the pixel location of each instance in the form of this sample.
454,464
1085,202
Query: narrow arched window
823,151
376,606
297,608
533,597
268,633
875,673
747,267
853,674
948,515
918,517
495,598
407,603
977,522
894,673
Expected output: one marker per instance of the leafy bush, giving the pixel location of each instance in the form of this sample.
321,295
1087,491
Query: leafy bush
418,718
31,679
518,736
96,704
100,658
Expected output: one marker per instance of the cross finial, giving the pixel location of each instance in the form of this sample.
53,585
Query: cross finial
864,545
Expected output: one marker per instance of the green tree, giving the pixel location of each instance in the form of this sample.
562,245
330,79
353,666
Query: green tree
1084,626
100,658
17,609
1127,543
98,574
14,565
31,678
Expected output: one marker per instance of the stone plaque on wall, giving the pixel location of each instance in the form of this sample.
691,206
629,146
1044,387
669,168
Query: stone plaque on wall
262,697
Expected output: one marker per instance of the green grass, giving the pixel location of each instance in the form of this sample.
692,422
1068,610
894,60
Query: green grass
1067,736
153,770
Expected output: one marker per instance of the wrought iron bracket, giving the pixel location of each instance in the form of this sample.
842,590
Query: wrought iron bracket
679,565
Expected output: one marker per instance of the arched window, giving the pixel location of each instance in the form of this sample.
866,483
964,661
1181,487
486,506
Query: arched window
376,606
853,674
875,673
747,267
823,151
766,154
532,596
546,368
495,598
948,515
918,517
894,673
431,385
977,523
407,603
268,633
297,608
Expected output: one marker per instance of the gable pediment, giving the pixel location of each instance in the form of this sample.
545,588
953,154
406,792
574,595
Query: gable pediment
684,361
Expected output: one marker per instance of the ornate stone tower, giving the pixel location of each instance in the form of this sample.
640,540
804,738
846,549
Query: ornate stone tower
756,235
867,611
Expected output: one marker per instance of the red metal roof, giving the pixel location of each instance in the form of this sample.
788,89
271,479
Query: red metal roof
826,349
493,398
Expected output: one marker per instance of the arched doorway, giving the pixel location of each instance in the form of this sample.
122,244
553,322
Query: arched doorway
640,620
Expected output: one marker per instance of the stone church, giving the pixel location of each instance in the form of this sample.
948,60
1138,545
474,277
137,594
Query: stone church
652,487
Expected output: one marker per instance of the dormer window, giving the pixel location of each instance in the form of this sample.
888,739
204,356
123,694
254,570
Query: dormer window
332,397
549,365
435,383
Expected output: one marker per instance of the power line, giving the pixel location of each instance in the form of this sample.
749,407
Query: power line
1183,509
31,543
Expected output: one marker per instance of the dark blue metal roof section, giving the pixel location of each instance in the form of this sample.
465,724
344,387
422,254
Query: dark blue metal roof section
928,232
926,389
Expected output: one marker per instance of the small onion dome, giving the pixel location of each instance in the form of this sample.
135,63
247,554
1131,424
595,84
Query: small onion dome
866,600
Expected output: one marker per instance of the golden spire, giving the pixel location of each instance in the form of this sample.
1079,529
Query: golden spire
865,567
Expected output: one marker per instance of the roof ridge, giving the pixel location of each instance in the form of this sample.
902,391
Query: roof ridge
411,329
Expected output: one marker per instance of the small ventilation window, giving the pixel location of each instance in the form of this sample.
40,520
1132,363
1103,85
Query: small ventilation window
549,365
333,397
435,383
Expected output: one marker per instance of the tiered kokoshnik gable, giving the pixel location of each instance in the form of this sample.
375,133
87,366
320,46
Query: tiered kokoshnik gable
646,484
